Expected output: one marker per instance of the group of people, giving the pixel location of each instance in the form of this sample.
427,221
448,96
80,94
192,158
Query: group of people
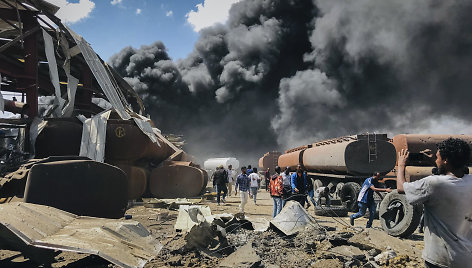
224,179
282,186
446,198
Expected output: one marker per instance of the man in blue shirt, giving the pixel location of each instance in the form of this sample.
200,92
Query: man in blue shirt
366,199
299,185
242,183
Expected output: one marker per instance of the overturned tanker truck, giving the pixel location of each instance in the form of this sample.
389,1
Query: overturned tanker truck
80,140
342,164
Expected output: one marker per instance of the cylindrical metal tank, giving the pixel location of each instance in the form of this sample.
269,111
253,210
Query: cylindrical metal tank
173,181
213,163
60,137
125,141
291,159
269,160
137,179
361,155
416,144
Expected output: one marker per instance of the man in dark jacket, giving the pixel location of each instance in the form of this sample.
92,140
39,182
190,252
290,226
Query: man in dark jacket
267,179
220,179
299,185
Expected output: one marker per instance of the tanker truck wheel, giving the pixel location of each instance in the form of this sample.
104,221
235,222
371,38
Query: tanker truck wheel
398,217
349,194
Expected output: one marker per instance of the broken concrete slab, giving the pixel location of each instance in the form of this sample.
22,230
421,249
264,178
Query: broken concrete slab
245,256
349,252
259,224
172,204
381,241
123,243
190,216
292,219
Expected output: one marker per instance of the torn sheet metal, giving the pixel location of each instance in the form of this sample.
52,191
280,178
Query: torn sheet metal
94,134
72,82
292,219
101,74
123,243
53,73
2,102
190,216
146,128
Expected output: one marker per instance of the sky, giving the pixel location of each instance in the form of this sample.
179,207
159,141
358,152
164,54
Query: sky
111,25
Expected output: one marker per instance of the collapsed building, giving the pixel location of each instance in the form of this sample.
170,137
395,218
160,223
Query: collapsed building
78,122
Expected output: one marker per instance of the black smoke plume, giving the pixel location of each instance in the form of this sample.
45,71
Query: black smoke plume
284,73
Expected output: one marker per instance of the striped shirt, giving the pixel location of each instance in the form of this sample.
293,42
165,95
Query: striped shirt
243,182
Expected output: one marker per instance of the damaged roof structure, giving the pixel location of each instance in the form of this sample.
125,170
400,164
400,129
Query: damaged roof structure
79,146
87,109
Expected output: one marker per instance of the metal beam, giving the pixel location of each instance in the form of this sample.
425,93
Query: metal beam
19,38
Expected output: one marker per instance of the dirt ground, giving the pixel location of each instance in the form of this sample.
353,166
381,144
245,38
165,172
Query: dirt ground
330,246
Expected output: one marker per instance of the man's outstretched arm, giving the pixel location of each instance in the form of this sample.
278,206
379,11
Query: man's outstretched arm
402,157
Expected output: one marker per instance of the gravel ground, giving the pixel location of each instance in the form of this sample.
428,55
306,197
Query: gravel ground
328,246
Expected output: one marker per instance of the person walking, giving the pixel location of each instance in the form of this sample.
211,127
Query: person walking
242,183
255,180
276,188
299,183
220,179
267,179
287,190
231,179
447,203
365,200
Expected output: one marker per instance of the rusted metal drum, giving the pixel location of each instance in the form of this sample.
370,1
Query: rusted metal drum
416,144
137,179
291,159
82,187
176,181
361,156
60,137
269,160
125,141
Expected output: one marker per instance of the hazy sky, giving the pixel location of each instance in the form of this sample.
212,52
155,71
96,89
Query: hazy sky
110,25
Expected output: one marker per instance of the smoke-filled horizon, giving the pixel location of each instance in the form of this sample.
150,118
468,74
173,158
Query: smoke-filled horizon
283,73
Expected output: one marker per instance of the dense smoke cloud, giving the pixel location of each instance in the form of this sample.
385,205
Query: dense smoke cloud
284,73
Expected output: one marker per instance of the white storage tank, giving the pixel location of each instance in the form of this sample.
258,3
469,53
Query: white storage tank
213,163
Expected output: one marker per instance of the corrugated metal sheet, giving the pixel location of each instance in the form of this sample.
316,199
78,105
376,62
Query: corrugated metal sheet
122,242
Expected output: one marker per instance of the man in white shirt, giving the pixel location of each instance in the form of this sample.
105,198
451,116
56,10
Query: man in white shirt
322,191
255,180
447,200
231,179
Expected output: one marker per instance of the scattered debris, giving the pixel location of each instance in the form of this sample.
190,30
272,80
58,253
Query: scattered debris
245,256
32,228
190,216
292,219
171,203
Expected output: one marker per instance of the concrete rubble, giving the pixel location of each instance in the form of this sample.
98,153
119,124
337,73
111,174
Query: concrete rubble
227,240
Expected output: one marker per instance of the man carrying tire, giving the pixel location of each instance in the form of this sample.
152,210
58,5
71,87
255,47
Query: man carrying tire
366,199
447,203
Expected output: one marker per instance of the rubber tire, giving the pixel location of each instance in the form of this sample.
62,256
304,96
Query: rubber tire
351,189
332,211
411,215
